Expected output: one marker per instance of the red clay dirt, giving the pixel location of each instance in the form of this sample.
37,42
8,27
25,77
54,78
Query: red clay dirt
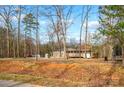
79,72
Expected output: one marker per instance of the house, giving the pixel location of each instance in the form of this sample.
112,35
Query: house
75,53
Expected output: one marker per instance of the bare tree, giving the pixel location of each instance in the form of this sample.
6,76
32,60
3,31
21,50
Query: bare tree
87,16
60,21
64,19
84,18
55,25
6,14
18,10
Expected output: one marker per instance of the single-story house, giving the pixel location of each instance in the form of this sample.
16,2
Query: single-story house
75,53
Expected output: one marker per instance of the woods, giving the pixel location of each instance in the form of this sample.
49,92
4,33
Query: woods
62,45
23,30
21,24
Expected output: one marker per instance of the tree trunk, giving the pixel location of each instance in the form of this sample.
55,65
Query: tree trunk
82,22
64,46
7,38
123,55
37,36
25,53
86,34
60,53
18,37
59,44
110,52
80,40
14,48
30,44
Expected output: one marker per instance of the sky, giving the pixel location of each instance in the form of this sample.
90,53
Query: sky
74,30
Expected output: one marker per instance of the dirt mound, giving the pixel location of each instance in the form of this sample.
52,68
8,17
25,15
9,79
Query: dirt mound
90,72
59,71
11,67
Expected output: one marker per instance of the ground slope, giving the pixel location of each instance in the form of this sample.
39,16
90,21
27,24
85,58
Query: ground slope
72,72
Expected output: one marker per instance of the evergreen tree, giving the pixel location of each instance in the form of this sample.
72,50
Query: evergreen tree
112,23
30,23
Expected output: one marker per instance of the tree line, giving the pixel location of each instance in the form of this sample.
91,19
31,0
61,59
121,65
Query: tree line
16,31
20,29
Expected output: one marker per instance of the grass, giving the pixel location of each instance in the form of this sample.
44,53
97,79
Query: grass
42,81
77,72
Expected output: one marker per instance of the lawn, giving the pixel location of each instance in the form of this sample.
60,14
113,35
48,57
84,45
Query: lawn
68,73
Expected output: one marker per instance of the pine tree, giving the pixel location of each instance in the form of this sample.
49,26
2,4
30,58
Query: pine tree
112,23
30,23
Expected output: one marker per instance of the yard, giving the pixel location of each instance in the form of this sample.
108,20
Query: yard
63,73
